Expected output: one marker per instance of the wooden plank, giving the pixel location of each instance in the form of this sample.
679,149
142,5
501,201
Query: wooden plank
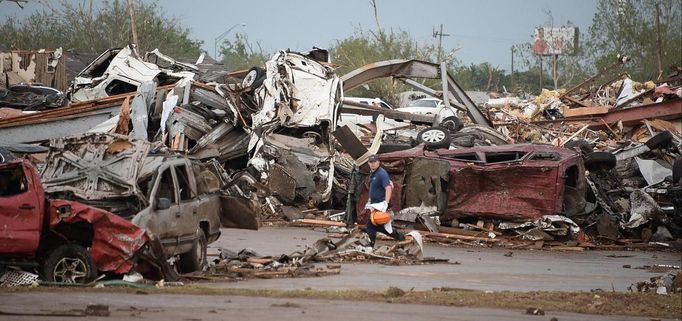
306,221
585,111
458,237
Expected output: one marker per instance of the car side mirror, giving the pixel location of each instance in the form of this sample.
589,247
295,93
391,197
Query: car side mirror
163,203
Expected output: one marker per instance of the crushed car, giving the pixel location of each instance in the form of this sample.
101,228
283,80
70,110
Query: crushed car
65,241
290,109
181,201
122,70
518,182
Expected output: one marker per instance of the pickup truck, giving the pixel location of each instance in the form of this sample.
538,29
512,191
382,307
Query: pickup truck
177,200
65,241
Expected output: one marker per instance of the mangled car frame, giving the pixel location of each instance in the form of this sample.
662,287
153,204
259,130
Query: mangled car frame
509,182
179,201
290,109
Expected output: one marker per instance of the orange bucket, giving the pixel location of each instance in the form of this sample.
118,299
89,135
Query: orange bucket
379,217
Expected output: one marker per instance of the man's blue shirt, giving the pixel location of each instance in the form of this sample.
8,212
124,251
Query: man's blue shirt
378,181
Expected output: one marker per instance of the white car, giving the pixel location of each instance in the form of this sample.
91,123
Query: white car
353,120
445,116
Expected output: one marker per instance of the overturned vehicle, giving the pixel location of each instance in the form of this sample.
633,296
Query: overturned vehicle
181,202
522,182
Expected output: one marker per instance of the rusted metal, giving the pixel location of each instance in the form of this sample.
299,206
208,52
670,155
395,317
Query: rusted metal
400,68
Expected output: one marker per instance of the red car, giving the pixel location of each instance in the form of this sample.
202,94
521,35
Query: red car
64,241
508,182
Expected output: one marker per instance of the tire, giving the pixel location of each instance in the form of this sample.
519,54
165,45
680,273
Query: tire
677,171
662,139
69,263
580,145
600,161
434,138
254,78
195,258
452,123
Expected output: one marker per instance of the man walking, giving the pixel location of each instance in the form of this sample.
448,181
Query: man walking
380,190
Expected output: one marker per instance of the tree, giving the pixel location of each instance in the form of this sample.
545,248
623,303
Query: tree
364,47
86,29
242,54
628,27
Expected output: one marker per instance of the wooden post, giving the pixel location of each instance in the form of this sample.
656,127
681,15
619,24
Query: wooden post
658,42
131,12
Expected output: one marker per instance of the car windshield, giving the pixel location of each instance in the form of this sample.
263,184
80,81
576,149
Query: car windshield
424,103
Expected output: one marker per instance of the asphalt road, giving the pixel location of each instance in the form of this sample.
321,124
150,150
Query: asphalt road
209,308
478,268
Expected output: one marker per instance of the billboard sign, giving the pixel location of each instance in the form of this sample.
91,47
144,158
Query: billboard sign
555,41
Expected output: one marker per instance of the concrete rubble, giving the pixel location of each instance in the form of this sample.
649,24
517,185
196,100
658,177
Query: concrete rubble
597,166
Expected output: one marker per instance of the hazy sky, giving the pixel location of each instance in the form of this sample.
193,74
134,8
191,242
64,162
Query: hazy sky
484,30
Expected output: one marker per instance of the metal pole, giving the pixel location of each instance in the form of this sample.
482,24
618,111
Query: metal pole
223,35
512,69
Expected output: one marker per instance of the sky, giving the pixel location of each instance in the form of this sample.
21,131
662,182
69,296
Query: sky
481,30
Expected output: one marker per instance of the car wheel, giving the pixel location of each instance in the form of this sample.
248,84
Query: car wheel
195,258
580,145
661,139
434,138
600,161
254,78
69,264
452,123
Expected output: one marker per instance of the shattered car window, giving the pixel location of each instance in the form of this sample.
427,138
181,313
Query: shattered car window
166,187
503,157
183,183
12,181
117,87
424,103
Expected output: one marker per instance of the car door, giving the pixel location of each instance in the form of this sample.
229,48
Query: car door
20,210
165,220
189,207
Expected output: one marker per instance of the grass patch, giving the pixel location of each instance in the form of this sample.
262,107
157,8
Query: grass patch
606,303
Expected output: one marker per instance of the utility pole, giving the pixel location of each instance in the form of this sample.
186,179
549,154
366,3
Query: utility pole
512,69
658,42
440,36
131,12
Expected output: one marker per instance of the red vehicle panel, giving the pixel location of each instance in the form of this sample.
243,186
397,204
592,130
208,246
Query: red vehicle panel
22,204
511,182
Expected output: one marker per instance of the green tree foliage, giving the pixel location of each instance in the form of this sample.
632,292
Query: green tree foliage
88,29
241,54
481,77
629,27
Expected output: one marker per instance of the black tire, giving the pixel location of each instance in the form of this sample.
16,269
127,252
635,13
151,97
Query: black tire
662,139
600,161
254,78
452,123
434,138
580,145
677,171
195,258
69,263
